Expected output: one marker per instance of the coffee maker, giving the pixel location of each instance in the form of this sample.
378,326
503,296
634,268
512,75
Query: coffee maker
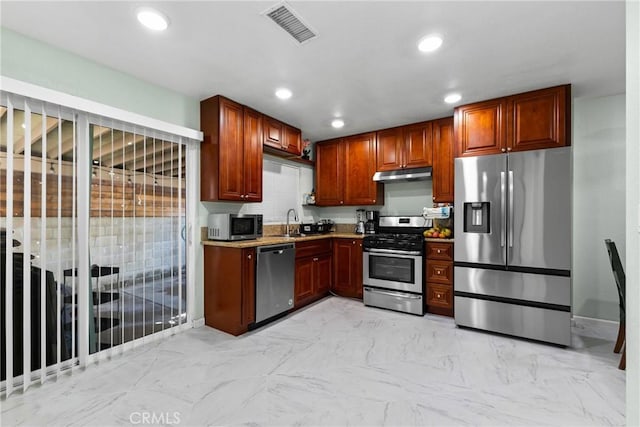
371,226
360,220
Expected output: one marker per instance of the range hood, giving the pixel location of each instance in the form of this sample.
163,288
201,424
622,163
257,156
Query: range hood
400,175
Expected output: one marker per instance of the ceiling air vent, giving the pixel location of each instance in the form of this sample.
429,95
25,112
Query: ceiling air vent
287,19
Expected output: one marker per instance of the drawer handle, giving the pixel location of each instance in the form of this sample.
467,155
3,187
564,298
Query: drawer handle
438,250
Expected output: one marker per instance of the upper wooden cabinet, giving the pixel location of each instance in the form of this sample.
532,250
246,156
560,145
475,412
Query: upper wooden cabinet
418,145
540,119
231,152
344,172
292,140
443,154
480,128
389,149
359,160
329,173
404,147
282,137
527,121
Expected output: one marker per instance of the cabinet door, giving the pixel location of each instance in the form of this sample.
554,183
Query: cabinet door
359,158
248,286
443,178
292,140
231,161
347,263
389,150
418,145
329,173
304,280
273,132
252,156
322,274
539,119
481,128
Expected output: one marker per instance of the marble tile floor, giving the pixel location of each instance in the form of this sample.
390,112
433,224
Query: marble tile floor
338,363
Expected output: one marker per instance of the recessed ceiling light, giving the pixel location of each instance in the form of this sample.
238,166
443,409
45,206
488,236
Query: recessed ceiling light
452,98
283,93
429,43
153,19
337,123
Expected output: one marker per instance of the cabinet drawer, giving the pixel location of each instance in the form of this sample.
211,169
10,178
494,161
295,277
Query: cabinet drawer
441,251
440,272
312,247
439,295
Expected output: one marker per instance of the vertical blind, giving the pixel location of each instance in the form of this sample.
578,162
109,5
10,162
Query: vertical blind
69,181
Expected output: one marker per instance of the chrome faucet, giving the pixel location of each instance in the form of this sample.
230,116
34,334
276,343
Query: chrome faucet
295,218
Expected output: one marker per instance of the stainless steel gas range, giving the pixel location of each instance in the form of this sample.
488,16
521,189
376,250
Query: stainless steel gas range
393,264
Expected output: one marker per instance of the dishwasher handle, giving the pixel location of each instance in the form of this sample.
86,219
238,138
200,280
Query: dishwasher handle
276,249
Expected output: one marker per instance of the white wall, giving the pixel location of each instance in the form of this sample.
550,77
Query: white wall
599,202
633,213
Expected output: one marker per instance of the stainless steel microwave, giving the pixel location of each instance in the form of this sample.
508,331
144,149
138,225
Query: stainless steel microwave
234,226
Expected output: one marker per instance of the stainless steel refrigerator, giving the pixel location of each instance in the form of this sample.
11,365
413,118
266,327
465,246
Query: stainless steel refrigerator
512,252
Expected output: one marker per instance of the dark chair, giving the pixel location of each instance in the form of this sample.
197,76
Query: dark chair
619,276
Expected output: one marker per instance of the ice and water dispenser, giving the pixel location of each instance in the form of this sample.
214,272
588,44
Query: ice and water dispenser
477,217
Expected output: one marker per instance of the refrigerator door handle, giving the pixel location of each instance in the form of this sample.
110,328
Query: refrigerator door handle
510,209
503,207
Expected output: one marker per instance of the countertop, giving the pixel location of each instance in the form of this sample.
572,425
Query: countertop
274,240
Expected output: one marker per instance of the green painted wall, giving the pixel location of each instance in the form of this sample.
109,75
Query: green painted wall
33,61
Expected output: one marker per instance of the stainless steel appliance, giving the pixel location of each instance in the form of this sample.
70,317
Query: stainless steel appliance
360,219
393,261
512,255
371,226
234,226
274,280
403,175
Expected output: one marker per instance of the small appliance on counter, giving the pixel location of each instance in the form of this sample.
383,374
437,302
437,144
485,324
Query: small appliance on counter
360,220
371,226
322,226
234,226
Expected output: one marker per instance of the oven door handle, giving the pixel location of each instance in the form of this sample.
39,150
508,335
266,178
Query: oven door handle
393,252
393,294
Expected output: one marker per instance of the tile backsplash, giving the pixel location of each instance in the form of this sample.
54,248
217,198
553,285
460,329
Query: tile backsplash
284,183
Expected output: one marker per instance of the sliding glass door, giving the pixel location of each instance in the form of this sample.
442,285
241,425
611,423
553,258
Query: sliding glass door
93,231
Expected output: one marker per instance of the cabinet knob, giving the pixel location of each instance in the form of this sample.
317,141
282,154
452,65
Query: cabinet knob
242,196
341,202
438,251
438,272
315,259
434,197
503,150
509,149
353,242
438,296
249,256
374,200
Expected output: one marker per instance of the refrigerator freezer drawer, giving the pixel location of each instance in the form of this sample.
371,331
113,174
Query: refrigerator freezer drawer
394,300
510,284
527,322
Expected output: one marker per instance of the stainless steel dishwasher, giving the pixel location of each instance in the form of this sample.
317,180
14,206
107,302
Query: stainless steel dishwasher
275,274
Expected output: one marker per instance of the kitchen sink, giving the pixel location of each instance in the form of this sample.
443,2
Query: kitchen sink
292,235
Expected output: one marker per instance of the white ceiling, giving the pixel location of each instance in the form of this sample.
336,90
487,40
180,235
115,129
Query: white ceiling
364,66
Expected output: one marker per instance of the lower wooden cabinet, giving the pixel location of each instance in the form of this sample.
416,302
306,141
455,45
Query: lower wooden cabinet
313,271
347,267
229,288
439,276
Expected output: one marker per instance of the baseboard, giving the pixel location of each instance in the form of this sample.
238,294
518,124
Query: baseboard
592,320
197,323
